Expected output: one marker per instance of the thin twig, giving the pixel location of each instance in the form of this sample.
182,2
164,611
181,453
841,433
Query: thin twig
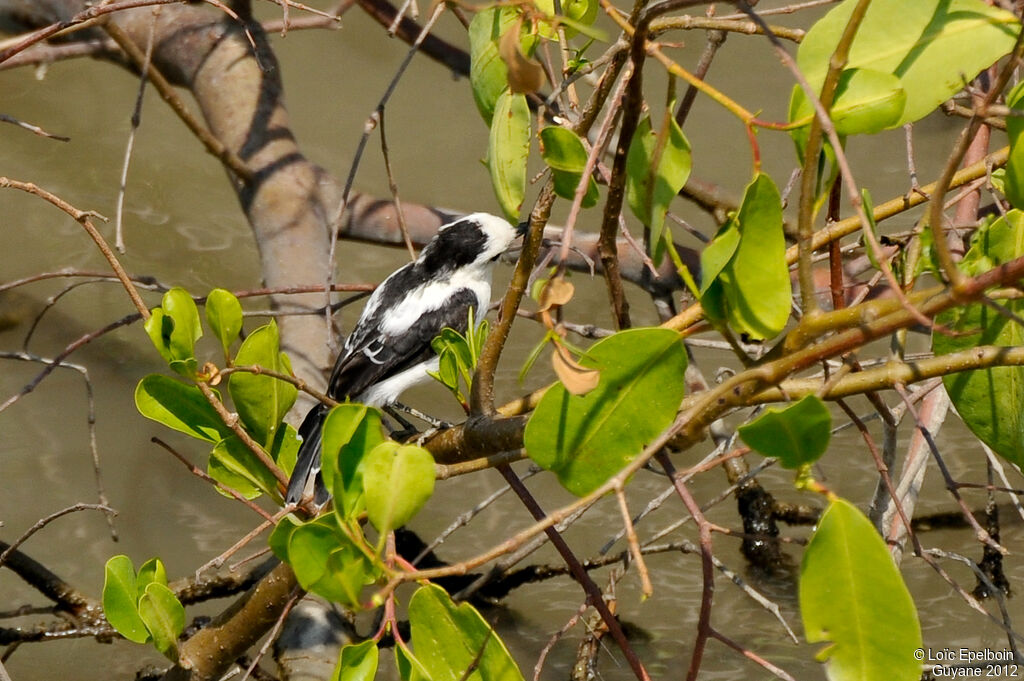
32,128
393,186
592,590
751,655
538,667
84,218
90,397
218,560
646,588
464,518
85,17
58,360
203,475
213,145
707,565
136,121
979,532
43,522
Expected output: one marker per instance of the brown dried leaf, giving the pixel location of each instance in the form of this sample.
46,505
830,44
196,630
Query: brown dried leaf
212,373
524,74
557,291
577,379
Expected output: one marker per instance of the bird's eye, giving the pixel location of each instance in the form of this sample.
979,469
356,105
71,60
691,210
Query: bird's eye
495,258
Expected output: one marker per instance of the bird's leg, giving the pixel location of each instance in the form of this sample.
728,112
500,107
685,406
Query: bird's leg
437,424
407,429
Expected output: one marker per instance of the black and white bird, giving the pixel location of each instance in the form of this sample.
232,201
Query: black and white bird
389,349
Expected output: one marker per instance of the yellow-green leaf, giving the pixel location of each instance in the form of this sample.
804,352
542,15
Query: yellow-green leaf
933,46
508,149
657,167
852,596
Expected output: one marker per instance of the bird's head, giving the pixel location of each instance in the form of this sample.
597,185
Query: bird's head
476,240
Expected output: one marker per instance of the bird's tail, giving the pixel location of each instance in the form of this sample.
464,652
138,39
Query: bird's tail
307,463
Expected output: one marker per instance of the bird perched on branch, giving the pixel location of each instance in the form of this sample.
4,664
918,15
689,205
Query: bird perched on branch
389,349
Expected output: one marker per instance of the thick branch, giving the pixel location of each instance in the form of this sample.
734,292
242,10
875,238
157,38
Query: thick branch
212,651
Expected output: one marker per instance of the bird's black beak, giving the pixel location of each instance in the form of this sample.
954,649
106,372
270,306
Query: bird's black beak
523,227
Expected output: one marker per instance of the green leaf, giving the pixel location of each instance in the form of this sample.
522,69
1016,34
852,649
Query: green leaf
326,562
284,450
358,662
247,471
448,640
159,328
350,432
224,315
151,572
796,436
179,406
712,299
120,599
585,439
576,14
488,74
226,474
164,616
409,668
233,465
562,149
990,401
478,337
508,149
458,354
279,537
262,401
655,172
397,482
866,102
933,46
175,329
997,178
1013,180
717,254
308,547
852,595
563,152
756,288
566,184
178,304
447,373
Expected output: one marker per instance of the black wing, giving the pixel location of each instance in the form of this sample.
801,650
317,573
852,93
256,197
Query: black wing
382,356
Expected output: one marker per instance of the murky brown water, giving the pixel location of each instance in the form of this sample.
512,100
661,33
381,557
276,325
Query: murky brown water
185,228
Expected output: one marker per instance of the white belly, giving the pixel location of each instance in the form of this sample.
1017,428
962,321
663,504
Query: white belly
389,390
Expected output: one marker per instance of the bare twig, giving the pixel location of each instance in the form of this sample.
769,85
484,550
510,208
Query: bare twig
84,218
634,545
202,475
43,522
213,145
707,565
32,128
136,121
393,186
593,591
